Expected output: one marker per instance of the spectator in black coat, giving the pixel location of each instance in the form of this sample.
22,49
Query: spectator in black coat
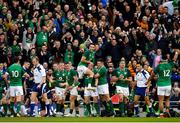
114,50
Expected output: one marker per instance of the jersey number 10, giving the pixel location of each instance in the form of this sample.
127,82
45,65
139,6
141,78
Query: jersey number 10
15,73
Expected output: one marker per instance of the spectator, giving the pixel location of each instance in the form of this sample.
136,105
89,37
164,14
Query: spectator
113,49
29,39
156,57
57,51
69,54
44,55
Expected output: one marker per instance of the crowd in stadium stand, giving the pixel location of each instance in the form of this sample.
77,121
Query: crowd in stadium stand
92,53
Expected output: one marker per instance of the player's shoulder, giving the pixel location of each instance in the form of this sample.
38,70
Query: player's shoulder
104,68
146,71
65,71
72,70
127,69
55,72
15,66
86,52
167,64
41,66
116,69
12,65
171,63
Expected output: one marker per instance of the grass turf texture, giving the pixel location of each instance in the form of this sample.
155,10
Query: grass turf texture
87,119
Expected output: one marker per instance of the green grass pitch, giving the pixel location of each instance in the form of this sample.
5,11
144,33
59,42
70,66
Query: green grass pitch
87,119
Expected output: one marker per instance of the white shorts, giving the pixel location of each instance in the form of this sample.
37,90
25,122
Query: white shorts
90,92
103,89
16,91
81,71
122,90
60,92
74,91
164,91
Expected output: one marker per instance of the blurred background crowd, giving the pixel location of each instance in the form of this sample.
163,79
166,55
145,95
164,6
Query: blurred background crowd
60,30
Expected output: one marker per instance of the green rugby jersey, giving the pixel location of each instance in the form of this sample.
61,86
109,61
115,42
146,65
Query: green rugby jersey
89,57
125,72
15,73
60,77
103,75
164,71
70,76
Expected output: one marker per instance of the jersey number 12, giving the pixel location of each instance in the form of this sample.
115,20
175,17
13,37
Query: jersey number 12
166,73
